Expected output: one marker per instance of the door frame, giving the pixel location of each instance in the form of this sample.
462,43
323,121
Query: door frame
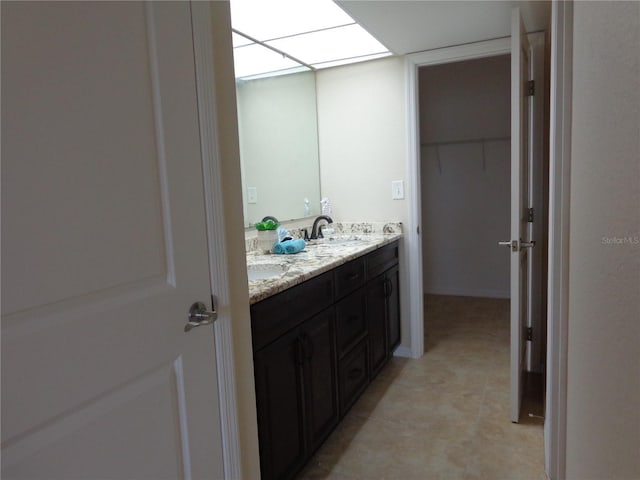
555,424
413,62
560,137
216,243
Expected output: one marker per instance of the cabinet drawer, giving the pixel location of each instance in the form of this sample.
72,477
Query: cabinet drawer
275,315
382,259
349,277
350,320
353,376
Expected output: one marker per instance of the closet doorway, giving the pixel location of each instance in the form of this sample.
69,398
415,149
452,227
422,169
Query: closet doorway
465,176
462,100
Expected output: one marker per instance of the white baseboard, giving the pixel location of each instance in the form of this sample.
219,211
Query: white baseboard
463,292
403,351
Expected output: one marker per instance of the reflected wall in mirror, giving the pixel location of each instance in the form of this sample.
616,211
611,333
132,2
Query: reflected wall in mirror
278,130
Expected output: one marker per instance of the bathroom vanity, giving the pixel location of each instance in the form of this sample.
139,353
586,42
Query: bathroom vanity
323,327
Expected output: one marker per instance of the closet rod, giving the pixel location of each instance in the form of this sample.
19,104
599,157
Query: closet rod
469,140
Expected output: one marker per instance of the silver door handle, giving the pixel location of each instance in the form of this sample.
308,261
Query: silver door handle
198,316
510,243
517,245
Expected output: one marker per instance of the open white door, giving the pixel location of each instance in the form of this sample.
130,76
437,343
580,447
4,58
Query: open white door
519,207
104,246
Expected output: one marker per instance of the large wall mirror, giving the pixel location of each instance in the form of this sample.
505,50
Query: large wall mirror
278,130
277,47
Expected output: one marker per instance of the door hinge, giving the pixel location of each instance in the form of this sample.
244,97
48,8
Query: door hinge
529,334
530,215
531,88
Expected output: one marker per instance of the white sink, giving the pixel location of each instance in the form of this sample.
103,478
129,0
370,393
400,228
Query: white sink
262,271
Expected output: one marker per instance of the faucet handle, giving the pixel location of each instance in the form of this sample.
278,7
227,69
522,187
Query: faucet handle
306,234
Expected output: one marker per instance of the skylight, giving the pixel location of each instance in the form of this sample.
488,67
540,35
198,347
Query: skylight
274,37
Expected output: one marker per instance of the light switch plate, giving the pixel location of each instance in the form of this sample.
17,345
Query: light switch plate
397,190
252,195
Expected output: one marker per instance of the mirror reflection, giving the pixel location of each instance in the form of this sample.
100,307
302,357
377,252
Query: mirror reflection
278,131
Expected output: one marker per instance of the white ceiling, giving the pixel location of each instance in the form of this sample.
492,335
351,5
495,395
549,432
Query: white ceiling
408,26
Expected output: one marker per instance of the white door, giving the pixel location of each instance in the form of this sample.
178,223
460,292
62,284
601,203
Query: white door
103,246
519,244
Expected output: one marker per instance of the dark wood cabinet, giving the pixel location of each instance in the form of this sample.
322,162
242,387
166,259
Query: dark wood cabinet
382,306
320,377
392,278
296,395
351,321
280,407
377,323
316,347
353,375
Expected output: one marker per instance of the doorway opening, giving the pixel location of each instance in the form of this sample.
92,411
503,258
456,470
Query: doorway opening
465,156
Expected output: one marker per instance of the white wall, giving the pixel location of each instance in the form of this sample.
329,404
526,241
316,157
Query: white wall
363,147
465,195
603,378
362,138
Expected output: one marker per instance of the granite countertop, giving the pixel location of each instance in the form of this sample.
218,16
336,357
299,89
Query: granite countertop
319,256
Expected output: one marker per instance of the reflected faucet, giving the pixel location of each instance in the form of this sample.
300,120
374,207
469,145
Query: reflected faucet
316,231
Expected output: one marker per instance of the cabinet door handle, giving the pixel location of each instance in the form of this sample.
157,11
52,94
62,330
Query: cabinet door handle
307,346
388,287
352,318
355,373
299,352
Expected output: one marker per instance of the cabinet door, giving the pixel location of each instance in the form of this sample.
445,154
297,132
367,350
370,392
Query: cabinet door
280,402
377,323
320,376
393,307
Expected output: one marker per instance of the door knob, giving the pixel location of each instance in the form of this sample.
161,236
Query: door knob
198,316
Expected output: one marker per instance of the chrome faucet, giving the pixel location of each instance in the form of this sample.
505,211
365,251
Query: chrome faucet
316,231
269,217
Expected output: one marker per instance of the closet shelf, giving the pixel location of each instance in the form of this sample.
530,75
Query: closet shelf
481,140
466,140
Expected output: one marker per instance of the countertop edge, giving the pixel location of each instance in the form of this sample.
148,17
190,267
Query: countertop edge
299,272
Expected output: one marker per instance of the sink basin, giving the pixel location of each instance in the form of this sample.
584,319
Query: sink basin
261,271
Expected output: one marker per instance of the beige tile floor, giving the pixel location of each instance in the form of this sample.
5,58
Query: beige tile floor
445,416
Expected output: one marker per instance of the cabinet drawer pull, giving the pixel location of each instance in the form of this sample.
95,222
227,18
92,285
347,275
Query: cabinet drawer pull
355,373
352,318
353,276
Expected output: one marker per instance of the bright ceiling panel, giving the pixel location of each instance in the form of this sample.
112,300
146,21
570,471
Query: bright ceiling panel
338,43
270,19
314,32
255,60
